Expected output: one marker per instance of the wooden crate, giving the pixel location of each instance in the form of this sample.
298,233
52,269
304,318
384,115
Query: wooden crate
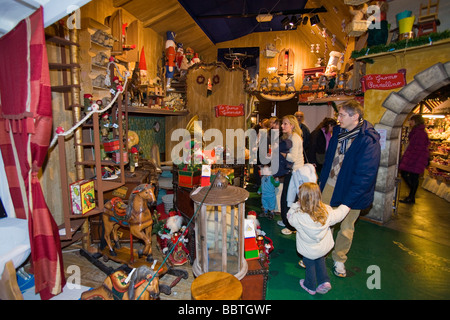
254,283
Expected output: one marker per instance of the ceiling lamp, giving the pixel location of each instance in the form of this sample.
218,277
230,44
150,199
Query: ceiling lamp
314,20
305,20
293,22
285,22
264,17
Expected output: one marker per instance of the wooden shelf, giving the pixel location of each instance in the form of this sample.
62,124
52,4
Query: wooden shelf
62,66
155,111
108,185
440,166
60,40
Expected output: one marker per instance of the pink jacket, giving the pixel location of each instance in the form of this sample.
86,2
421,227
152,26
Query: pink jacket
415,158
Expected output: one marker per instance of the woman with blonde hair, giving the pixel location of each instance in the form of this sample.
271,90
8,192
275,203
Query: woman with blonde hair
290,130
314,239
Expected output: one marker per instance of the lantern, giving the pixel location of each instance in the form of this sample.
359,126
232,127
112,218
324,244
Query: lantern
219,228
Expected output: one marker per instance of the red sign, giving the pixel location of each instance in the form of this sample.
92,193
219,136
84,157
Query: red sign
225,110
383,81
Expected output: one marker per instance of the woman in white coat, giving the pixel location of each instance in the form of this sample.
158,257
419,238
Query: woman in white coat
291,130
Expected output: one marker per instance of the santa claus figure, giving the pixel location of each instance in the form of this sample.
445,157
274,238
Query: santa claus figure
171,239
170,58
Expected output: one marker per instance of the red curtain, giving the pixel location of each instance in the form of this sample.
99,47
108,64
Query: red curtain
25,132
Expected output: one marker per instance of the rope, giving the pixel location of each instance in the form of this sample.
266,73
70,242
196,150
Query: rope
179,238
95,108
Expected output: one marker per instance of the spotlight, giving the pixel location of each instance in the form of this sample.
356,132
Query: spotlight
293,22
314,20
285,22
305,20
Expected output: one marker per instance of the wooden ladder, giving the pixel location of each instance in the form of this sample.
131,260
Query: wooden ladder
76,226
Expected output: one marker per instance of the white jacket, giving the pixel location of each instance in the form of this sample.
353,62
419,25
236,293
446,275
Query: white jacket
306,173
313,239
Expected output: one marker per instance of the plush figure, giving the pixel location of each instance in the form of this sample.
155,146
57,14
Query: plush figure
87,103
195,59
134,159
169,238
170,59
358,12
179,55
105,125
251,215
379,35
143,68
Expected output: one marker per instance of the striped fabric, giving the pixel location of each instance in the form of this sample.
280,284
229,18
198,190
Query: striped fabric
25,132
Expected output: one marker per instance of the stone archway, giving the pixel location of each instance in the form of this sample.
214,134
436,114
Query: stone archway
398,105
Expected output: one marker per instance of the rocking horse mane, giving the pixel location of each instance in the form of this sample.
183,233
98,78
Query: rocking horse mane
136,190
140,274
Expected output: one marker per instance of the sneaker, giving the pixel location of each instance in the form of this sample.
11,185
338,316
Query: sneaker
280,223
339,269
311,292
302,264
286,231
323,288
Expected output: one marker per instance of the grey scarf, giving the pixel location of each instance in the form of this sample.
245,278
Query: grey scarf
345,135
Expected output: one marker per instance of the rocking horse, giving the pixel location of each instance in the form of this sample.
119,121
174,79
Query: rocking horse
136,216
116,286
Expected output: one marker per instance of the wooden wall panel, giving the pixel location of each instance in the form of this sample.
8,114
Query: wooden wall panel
229,90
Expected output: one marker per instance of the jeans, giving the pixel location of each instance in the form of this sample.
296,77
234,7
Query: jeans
316,273
283,202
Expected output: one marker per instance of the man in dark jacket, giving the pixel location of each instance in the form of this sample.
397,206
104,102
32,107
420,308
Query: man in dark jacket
349,173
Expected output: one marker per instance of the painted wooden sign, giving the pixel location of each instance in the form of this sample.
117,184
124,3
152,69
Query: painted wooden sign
383,81
225,110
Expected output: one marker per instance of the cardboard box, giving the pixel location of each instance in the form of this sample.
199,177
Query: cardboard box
189,179
82,196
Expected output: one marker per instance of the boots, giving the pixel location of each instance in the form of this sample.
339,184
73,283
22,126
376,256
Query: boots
408,200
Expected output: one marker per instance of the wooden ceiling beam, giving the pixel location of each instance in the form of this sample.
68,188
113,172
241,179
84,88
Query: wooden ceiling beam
148,23
120,3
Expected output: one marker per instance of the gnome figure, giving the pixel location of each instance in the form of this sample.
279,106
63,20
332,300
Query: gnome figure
143,68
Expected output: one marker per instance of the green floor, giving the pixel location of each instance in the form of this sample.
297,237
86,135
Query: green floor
383,264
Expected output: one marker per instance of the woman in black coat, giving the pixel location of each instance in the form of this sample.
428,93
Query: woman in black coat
319,142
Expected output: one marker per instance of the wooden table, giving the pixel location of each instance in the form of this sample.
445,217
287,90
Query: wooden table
216,285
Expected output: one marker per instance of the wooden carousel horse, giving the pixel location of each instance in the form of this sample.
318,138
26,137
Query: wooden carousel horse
307,82
290,84
276,84
136,216
264,85
116,286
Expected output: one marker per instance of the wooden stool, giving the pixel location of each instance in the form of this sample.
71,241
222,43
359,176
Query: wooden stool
216,285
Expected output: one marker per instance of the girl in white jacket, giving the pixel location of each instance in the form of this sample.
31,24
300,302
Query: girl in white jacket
312,220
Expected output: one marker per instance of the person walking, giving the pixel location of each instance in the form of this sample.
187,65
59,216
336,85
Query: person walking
320,138
314,239
416,157
349,173
306,133
290,130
